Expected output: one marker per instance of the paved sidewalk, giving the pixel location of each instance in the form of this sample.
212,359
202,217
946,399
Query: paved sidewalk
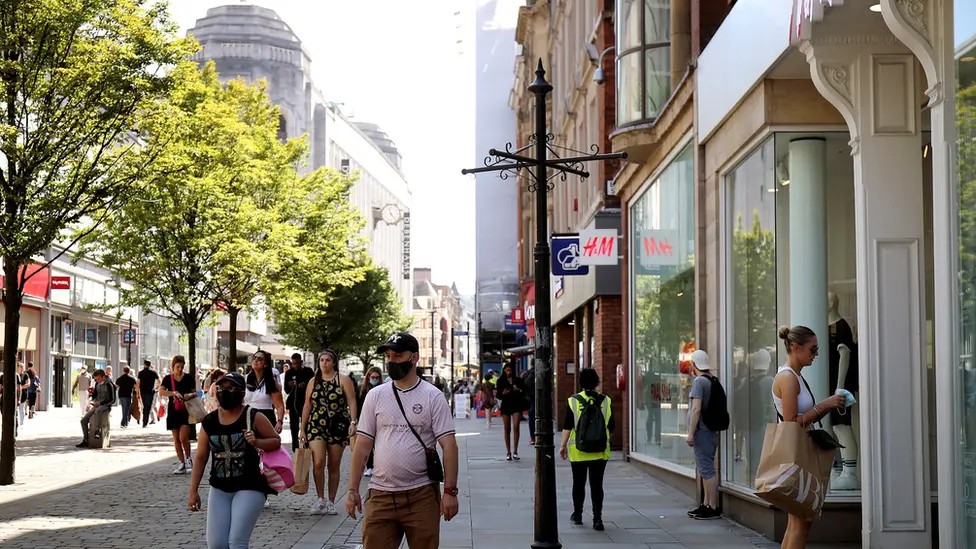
496,507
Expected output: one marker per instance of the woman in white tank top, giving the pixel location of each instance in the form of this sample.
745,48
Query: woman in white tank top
794,402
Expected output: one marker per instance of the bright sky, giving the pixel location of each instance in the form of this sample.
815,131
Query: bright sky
392,62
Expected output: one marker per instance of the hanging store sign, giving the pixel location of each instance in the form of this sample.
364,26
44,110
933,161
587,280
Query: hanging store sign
518,317
566,256
60,282
658,248
406,246
598,247
128,336
68,343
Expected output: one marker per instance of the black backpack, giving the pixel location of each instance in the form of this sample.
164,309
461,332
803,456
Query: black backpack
716,414
591,426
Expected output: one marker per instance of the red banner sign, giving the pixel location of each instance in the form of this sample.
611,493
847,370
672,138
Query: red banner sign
60,282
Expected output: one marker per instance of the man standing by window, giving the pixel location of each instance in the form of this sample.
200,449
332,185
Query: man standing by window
401,422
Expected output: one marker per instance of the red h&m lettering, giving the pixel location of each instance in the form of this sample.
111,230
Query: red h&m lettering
660,246
597,246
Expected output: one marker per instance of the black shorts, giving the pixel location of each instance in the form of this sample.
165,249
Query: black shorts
176,418
31,399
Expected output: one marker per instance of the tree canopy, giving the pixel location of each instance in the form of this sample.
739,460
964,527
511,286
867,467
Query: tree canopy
84,84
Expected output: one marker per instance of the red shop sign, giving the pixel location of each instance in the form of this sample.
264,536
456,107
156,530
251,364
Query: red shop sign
60,282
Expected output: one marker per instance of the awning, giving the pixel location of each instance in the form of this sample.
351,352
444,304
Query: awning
522,350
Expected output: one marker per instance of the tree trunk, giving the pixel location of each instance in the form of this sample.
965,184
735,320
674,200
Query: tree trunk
191,354
232,313
12,301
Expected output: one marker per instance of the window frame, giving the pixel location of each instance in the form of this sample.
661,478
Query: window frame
641,50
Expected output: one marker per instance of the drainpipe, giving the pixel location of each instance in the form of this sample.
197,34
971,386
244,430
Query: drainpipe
680,40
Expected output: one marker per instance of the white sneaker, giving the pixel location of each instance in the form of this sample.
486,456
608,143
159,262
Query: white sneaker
846,481
267,502
180,469
189,465
368,472
330,508
318,507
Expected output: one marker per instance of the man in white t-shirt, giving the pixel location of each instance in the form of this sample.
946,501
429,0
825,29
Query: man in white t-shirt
402,499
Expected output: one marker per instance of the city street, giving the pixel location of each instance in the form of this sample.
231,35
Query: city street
127,497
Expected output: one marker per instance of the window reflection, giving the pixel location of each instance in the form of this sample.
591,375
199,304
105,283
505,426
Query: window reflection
643,59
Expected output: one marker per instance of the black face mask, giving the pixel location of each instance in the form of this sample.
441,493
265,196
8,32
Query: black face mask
399,370
229,400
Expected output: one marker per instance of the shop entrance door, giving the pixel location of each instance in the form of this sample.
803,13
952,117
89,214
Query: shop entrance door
59,376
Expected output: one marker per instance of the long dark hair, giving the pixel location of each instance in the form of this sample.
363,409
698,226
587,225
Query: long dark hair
366,385
267,374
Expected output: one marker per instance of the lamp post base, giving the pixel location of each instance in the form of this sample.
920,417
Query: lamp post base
546,545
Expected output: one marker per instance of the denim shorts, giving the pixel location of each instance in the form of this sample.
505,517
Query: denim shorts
706,444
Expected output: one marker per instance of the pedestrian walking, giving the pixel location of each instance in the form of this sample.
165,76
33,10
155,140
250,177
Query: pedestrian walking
263,391
528,378
211,404
586,443
23,384
126,385
238,489
178,387
488,401
33,390
328,422
147,383
81,386
373,378
296,384
707,416
404,495
794,402
103,398
510,390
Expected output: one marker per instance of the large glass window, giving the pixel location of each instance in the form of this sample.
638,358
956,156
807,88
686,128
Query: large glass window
772,199
663,320
966,150
643,59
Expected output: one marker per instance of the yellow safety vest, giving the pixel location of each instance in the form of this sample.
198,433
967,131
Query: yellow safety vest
575,406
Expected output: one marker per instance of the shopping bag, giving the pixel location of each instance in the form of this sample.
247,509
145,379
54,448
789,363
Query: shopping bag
196,410
794,473
302,465
276,466
134,410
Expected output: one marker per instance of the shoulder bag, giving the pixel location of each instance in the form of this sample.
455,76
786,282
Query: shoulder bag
435,471
276,466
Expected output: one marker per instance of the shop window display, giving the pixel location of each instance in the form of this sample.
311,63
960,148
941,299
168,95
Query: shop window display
663,312
791,260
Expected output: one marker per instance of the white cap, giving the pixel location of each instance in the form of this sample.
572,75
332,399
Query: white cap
761,360
700,358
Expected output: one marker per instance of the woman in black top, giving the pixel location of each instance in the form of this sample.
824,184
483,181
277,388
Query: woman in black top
238,489
510,389
179,387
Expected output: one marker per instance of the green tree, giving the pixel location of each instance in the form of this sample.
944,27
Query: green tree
177,243
81,83
753,267
357,319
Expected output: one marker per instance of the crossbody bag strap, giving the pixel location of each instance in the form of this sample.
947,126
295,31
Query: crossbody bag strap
396,393
813,398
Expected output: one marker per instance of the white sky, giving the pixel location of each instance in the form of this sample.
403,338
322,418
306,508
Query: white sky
392,62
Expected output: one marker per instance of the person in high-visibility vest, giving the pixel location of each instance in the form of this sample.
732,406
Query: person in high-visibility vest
584,408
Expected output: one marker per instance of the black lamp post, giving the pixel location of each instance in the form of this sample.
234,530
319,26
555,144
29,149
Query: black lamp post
540,182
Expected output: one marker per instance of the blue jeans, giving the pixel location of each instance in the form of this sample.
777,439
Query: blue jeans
231,517
126,403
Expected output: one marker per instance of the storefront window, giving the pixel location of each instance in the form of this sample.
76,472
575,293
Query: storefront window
643,59
791,260
663,304
966,150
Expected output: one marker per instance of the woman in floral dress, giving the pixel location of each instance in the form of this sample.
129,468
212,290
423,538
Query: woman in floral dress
328,423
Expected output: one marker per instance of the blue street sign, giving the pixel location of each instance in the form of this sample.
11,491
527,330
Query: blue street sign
566,257
460,334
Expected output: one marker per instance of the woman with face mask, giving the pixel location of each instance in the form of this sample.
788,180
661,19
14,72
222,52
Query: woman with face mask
238,489
328,423
179,387
373,377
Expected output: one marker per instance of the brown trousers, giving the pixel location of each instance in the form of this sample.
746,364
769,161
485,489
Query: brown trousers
389,515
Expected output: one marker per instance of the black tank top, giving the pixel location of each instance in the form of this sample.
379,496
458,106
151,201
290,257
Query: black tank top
234,464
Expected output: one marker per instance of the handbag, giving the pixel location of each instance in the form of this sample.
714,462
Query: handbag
435,471
195,409
177,403
302,465
276,466
824,439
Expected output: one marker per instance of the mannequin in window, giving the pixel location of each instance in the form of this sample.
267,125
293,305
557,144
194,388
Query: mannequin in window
843,374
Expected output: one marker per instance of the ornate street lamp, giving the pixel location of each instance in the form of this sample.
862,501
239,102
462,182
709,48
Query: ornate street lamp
541,182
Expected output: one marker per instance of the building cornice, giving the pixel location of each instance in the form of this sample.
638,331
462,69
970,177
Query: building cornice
526,15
